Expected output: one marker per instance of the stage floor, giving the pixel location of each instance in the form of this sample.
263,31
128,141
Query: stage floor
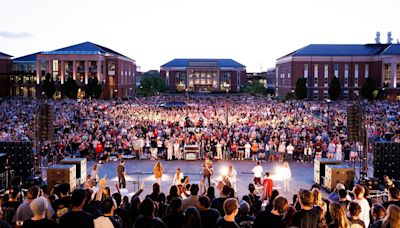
302,174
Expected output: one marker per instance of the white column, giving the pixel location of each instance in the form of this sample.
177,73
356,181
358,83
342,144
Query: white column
62,71
74,69
394,75
98,70
86,72
38,70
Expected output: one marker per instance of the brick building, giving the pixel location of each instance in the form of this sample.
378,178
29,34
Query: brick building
352,64
204,75
5,67
114,71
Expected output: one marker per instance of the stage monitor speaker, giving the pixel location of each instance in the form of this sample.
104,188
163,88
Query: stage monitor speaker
81,168
319,168
335,174
58,174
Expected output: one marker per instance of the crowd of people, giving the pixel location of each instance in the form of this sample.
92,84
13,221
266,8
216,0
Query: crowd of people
252,128
194,205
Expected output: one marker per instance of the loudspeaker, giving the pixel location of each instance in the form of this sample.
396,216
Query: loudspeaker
335,174
319,168
387,160
57,174
80,164
20,157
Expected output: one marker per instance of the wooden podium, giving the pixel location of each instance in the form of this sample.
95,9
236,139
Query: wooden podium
191,152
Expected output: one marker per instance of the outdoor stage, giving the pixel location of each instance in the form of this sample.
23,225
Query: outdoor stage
302,174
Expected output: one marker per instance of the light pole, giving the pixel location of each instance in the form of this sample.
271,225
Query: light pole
227,108
328,101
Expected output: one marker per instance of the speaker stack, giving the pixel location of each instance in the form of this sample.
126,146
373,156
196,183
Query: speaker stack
387,160
80,164
45,123
354,123
335,174
19,157
319,168
58,174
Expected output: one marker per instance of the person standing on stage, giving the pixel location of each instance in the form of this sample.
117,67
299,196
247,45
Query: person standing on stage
232,177
121,174
286,176
268,184
177,150
207,170
219,150
170,149
158,171
247,149
257,171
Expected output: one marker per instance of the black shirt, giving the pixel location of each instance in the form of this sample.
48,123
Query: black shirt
209,217
267,219
42,223
306,218
221,223
146,222
387,203
174,220
218,203
76,219
9,210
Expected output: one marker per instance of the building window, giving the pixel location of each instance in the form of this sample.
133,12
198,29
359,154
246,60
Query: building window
56,76
288,75
238,80
225,81
326,75
315,75
355,82
356,70
398,75
366,73
336,70
325,94
315,94
180,81
167,78
345,94
346,75
305,71
387,75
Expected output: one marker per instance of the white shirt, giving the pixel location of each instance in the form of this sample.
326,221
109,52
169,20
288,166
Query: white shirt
286,173
247,147
290,149
258,170
102,222
177,180
365,209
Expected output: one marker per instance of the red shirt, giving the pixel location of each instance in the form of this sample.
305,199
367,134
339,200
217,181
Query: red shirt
99,148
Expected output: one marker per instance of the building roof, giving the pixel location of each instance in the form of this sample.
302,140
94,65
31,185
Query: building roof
203,63
27,58
393,49
346,50
5,55
84,48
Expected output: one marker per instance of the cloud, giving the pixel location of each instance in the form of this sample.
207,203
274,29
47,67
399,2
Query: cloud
15,35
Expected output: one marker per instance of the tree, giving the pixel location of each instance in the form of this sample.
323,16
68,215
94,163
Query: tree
301,88
151,73
368,88
94,89
334,89
48,87
255,88
271,91
71,88
151,85
289,96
